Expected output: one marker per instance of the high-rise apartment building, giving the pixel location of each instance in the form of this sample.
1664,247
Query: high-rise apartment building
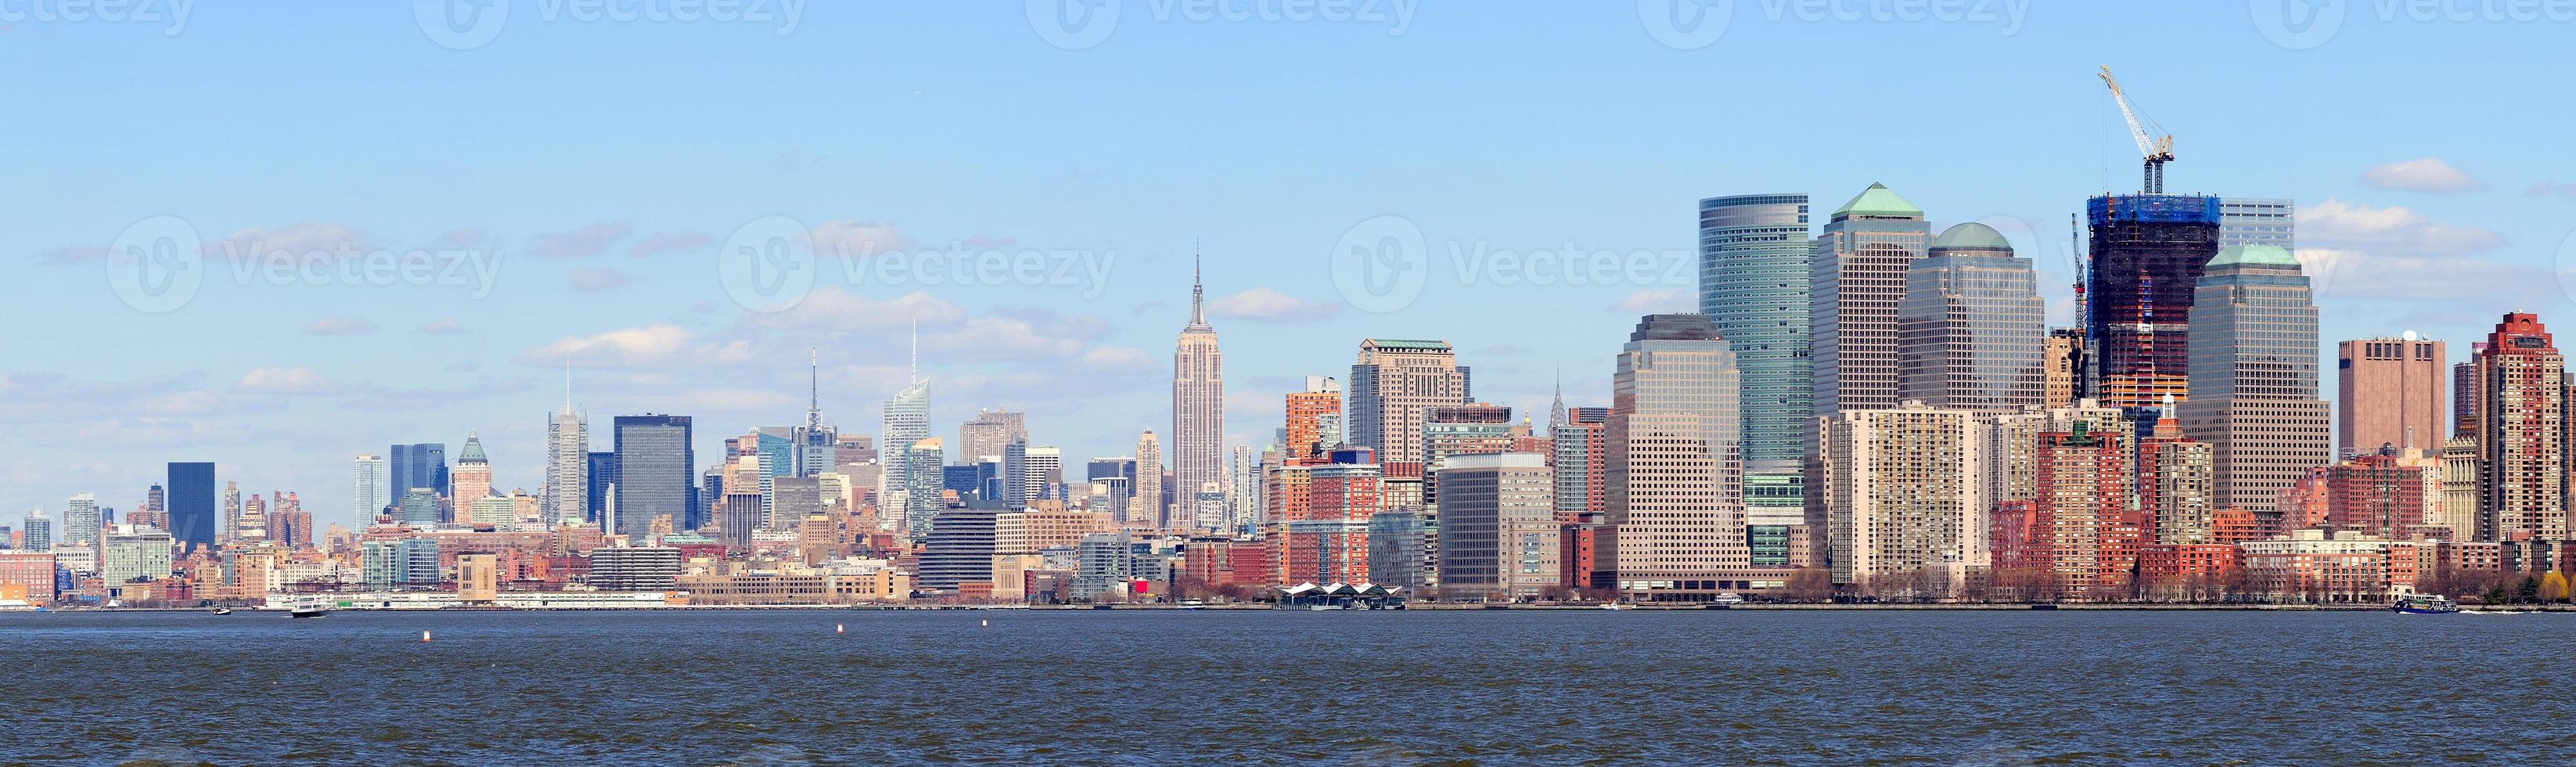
2147,252
1198,405
1858,280
80,521
192,503
472,477
1581,440
1676,503
656,474
2389,391
1753,283
2253,382
1904,495
989,432
1313,422
2521,407
1972,330
2177,483
1392,386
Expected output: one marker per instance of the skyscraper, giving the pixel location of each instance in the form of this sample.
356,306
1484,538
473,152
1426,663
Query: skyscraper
2253,375
817,443
370,490
566,499
1198,402
656,473
926,460
192,503
1498,531
1676,505
1904,499
1391,385
472,477
1753,282
989,432
1148,509
39,532
601,474
1582,446
2148,251
2389,391
2258,221
1858,280
1972,330
421,464
2522,446
1313,420
80,521
907,422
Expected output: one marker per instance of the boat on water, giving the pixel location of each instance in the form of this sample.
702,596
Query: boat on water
1613,606
1728,599
2424,604
221,611
308,608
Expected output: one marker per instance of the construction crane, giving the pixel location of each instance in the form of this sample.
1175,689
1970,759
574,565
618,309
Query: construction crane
2153,142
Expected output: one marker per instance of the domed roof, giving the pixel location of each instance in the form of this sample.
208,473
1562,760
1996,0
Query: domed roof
2254,255
1972,236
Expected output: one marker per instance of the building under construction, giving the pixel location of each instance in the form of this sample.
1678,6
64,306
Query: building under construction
2147,251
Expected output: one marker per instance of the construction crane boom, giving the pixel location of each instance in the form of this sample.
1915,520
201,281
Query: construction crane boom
2154,146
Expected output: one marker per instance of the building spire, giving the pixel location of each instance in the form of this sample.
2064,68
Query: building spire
814,388
916,350
567,383
1198,289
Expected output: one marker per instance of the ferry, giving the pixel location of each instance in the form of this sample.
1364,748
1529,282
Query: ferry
1728,599
2423,604
308,608
221,611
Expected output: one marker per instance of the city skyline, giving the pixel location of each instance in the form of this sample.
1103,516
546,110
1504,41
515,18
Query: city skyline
424,364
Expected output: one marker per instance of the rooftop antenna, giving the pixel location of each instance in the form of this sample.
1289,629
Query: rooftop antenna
1198,291
916,350
567,383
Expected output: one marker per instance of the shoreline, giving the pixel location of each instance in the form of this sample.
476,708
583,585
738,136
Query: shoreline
1436,607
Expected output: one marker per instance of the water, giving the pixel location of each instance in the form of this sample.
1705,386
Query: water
1137,686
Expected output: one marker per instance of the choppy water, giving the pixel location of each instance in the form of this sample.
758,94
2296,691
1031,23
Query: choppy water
1353,687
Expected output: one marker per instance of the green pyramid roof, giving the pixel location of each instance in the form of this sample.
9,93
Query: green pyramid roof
2253,255
1878,200
473,452
1971,236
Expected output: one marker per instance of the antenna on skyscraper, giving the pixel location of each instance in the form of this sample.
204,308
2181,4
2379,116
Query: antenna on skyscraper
567,383
916,350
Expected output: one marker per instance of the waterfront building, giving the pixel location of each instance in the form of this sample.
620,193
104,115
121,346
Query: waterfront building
1971,329
1324,537
2346,566
2389,391
2253,374
1498,534
2147,253
1754,284
656,474
1401,547
1198,404
1393,385
31,573
1676,512
2521,406
192,503
1903,492
1857,281
135,554
958,557
634,568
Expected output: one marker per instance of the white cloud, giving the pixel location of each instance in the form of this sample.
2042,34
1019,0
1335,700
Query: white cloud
2429,174
298,380
856,239
2390,230
339,326
593,280
1117,359
1653,301
646,346
2352,274
590,240
1266,305
834,310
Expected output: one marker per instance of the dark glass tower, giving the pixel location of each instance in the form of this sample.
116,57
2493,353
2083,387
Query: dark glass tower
603,473
422,464
192,504
656,473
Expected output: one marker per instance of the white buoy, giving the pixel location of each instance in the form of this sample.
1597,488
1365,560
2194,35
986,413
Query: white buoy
840,629
424,636
988,623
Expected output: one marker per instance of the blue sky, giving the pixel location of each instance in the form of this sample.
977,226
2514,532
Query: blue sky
596,165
